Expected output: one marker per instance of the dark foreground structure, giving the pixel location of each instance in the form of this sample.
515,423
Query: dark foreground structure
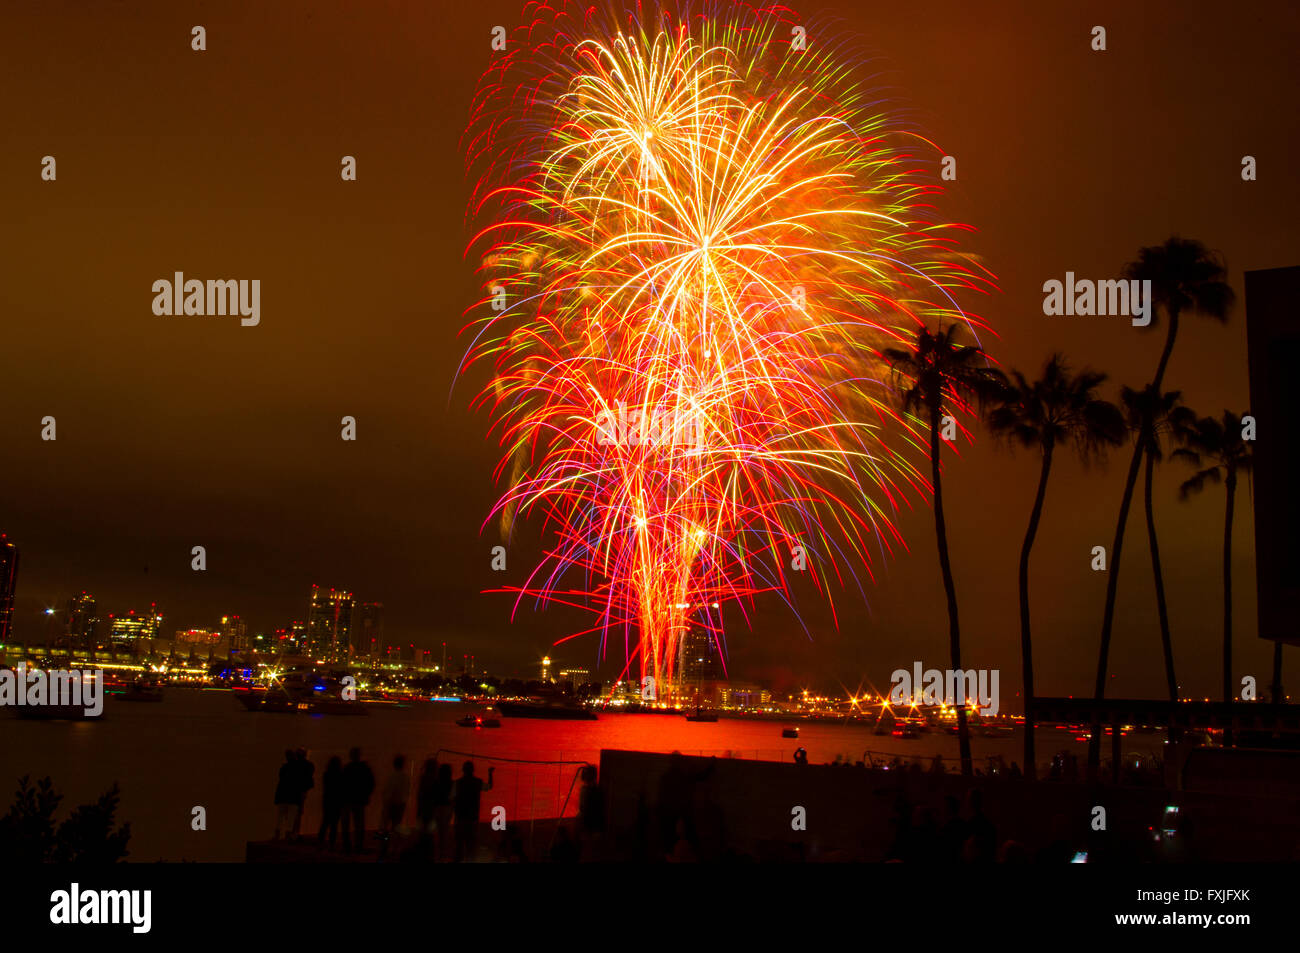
1235,805
1226,805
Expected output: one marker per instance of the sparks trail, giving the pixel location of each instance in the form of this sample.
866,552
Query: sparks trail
684,218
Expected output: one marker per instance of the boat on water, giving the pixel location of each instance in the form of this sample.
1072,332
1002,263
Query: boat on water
546,708
885,723
142,690
789,732
907,728
286,703
483,719
701,715
301,693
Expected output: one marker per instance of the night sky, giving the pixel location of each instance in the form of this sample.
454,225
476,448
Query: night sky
175,432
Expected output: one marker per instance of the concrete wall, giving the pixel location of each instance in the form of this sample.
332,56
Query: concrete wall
737,808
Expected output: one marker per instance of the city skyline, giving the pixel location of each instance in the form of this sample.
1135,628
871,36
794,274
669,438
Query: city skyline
324,633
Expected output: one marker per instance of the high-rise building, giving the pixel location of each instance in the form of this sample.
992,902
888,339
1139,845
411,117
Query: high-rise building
135,631
368,634
700,672
545,674
329,623
8,583
1271,336
83,623
234,632
700,659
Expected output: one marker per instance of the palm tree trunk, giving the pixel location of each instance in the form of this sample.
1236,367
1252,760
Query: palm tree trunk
1167,352
1227,586
1108,616
949,587
1026,642
1162,609
1112,581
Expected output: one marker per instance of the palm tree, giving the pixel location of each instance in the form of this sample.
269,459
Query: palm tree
1060,408
1162,415
1218,443
1185,277
935,374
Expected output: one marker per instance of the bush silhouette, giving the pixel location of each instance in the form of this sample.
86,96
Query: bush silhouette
28,834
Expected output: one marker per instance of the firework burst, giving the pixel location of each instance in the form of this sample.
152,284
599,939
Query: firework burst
695,239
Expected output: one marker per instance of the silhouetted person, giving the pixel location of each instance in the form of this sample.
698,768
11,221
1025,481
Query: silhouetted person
286,794
591,803
396,792
443,810
358,785
981,835
306,780
469,791
952,831
676,797
682,852
392,810
801,756
331,800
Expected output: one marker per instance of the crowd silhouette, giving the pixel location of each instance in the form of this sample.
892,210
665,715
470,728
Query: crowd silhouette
447,812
